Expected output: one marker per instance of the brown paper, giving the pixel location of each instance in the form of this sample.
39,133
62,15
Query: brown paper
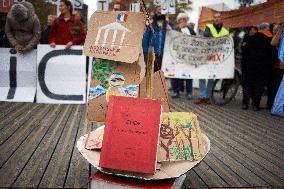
159,90
115,36
131,73
180,137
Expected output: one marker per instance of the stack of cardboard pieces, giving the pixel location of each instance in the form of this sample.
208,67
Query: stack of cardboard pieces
141,138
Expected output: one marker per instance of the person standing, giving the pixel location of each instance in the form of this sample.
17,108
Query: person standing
45,33
184,27
23,27
66,30
278,68
160,25
259,58
211,30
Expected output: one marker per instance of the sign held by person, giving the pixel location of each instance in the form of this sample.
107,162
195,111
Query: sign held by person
102,5
61,75
188,57
17,76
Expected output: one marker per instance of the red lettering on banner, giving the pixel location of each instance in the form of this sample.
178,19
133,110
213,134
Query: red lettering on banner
216,57
5,5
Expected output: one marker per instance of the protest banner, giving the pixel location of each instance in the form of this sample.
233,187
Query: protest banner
135,7
190,57
61,75
17,76
115,36
102,5
5,5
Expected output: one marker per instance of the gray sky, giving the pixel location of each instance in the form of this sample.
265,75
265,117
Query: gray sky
194,14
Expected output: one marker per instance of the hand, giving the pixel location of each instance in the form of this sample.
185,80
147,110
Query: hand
68,45
23,51
168,27
53,45
19,47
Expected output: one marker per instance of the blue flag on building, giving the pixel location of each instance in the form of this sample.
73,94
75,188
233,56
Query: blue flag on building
278,106
281,48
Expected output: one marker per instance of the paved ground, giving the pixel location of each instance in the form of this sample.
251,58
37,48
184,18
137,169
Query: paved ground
37,146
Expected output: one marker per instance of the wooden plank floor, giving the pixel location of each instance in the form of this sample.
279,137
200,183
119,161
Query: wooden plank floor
37,146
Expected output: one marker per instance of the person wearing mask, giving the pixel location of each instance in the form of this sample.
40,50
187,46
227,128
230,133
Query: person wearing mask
184,27
160,25
66,30
44,35
259,58
211,30
278,68
23,27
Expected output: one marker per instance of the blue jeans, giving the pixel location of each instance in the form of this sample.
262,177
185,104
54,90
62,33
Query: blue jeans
176,85
205,91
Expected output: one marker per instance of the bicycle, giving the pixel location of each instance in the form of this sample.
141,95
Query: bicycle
225,90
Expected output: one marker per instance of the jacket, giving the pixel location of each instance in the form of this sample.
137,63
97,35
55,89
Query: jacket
26,32
62,32
210,31
156,39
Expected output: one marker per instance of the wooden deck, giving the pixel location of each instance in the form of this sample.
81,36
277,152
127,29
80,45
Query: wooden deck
37,146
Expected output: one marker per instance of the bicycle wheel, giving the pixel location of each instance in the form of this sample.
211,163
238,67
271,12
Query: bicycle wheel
224,90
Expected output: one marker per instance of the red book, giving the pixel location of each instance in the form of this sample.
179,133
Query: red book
131,134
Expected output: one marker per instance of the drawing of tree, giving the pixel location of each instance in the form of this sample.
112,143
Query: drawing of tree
101,70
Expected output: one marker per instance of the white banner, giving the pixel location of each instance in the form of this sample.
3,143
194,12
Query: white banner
182,1
135,7
164,6
17,76
172,6
190,57
157,2
61,75
102,5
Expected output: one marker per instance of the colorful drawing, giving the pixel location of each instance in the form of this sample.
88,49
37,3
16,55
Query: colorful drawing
96,91
180,137
101,70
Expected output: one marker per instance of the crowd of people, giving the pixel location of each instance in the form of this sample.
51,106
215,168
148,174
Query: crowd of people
256,50
23,28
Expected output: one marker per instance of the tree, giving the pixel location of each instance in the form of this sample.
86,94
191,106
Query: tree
43,9
245,3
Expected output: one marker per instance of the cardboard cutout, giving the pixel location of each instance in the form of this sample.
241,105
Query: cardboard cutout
115,36
112,78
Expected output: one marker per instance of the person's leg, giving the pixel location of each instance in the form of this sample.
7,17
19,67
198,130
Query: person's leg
202,88
274,83
188,88
202,92
176,87
209,88
258,90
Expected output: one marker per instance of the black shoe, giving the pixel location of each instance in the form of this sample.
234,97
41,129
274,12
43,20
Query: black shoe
175,95
245,107
255,108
